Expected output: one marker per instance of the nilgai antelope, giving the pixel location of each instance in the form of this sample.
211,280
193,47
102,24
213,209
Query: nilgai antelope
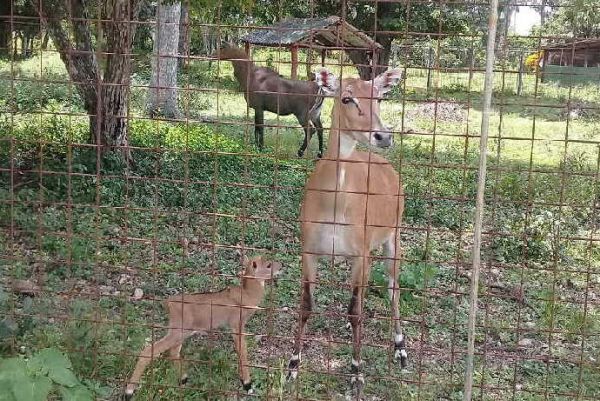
190,314
266,90
353,204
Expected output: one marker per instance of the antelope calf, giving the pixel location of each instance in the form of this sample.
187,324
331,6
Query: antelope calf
353,204
190,314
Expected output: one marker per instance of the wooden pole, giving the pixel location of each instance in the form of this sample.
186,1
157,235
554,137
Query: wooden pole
323,56
294,62
247,48
520,79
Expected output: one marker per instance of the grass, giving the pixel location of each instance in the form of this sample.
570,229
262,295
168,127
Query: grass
199,190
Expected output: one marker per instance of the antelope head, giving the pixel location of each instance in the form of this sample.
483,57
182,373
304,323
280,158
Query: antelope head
356,109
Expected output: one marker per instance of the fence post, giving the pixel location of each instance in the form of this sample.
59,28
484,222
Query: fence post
479,203
429,65
520,78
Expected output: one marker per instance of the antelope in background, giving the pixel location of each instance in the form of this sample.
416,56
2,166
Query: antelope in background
190,314
353,204
266,90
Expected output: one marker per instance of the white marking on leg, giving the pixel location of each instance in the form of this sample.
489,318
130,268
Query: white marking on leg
403,353
398,338
296,357
355,362
294,374
391,288
129,391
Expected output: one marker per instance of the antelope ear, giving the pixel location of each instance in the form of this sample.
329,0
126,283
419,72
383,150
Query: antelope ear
387,80
327,80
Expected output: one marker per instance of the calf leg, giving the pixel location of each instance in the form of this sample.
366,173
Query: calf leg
175,356
259,127
172,339
392,261
240,347
307,303
360,278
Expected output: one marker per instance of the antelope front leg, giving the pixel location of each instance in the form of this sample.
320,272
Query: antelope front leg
360,277
392,261
307,303
240,347
307,127
259,128
319,128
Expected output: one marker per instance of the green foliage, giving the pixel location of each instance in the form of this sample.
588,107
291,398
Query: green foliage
573,18
34,378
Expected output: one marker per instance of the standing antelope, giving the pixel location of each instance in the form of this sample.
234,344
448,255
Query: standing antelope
353,204
265,90
190,314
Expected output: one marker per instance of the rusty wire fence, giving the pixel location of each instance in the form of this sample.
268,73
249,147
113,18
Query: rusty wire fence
130,173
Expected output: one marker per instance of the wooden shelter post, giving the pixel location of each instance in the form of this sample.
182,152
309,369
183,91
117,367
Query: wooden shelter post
294,62
323,56
247,48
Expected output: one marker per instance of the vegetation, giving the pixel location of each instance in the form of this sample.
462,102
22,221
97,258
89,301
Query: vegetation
90,234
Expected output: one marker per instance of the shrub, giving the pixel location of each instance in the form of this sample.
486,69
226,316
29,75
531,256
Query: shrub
532,62
34,378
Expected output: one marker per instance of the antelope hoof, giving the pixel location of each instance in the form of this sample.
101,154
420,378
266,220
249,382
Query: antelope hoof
128,394
400,351
358,383
184,379
248,388
300,152
319,155
292,373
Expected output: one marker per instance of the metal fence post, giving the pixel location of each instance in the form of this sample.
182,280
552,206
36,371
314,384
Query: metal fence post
479,206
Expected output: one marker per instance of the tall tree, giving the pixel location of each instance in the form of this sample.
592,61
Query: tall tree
162,96
98,60
575,18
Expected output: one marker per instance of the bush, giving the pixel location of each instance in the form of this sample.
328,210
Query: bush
34,378
532,62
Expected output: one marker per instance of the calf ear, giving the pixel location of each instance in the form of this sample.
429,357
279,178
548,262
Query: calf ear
327,80
387,80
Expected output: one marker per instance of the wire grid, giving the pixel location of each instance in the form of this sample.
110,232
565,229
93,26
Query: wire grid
85,233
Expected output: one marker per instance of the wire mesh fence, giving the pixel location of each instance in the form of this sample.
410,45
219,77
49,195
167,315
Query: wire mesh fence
132,181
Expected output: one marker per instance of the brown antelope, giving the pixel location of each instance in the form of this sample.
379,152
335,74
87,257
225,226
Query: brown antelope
190,314
264,89
353,204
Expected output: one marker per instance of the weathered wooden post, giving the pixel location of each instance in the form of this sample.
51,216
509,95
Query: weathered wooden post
294,62
520,78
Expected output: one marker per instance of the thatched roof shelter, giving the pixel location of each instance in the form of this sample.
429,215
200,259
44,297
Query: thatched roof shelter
330,33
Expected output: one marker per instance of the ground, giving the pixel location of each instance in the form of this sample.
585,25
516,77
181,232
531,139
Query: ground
88,236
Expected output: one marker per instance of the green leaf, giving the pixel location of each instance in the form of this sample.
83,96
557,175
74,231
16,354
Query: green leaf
77,393
5,394
53,358
31,388
12,368
63,377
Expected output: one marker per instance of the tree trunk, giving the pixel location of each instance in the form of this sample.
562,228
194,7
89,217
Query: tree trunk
105,96
5,29
162,96
184,39
362,61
